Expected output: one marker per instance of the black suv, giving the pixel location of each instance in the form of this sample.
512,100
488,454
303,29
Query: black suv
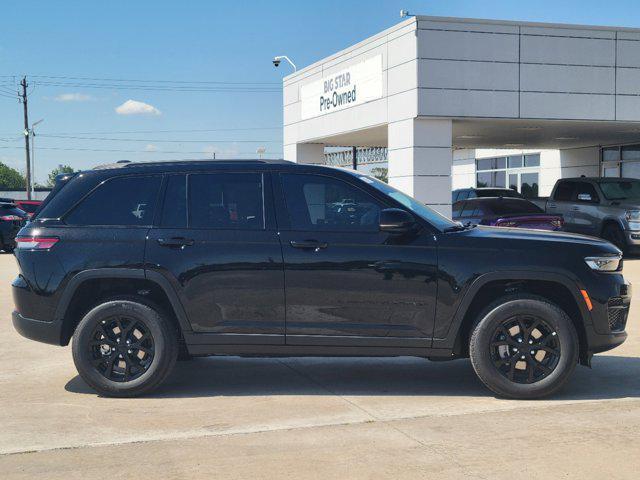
143,263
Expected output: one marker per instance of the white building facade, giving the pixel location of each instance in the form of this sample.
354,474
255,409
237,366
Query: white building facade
432,90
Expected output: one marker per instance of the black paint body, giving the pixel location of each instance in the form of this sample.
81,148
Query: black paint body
281,291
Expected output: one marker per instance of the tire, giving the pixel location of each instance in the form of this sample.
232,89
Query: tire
498,362
614,234
151,337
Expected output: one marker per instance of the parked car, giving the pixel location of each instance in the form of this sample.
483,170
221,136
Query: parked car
28,206
11,220
505,212
254,258
602,207
464,193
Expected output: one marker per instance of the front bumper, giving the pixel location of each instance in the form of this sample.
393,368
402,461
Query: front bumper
46,332
633,238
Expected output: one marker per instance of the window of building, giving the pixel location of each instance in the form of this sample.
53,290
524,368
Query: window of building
317,202
226,201
120,201
521,171
620,161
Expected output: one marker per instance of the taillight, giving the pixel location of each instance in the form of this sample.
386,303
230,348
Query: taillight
10,218
36,243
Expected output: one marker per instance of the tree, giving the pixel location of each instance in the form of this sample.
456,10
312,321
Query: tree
381,174
57,171
11,178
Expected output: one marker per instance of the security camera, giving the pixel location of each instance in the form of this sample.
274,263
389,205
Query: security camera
276,62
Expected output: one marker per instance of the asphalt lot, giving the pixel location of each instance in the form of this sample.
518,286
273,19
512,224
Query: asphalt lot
313,418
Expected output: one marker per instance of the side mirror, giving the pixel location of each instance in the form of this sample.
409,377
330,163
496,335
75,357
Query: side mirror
585,197
395,220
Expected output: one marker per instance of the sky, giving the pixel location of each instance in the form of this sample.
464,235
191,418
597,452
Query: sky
158,80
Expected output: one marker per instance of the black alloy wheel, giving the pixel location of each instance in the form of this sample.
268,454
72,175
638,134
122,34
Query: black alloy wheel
525,349
122,348
524,346
125,347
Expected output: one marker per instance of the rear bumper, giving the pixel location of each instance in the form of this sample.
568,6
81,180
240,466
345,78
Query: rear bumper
46,332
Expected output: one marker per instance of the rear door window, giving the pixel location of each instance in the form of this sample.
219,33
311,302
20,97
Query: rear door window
226,201
564,192
585,192
119,201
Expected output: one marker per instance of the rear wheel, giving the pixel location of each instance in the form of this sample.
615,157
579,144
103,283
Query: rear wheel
524,347
123,348
614,234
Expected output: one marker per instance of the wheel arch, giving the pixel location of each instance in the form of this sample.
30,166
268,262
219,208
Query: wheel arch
555,287
90,287
611,221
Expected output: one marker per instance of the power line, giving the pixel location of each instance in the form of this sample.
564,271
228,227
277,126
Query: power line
123,132
150,140
160,88
110,150
206,82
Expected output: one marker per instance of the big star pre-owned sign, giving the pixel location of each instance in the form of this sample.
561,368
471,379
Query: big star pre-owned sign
354,85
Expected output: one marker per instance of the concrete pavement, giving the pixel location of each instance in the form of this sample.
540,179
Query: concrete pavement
312,418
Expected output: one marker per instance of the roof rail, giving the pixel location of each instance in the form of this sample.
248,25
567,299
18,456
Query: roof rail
207,161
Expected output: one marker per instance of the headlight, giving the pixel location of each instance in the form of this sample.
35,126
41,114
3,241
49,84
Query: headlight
604,264
633,217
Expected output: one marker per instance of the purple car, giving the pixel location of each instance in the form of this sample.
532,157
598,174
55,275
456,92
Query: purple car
505,212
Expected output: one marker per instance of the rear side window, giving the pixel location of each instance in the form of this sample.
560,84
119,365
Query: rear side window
226,201
122,201
469,209
586,193
564,192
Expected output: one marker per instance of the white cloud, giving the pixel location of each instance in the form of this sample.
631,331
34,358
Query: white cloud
73,97
150,147
134,107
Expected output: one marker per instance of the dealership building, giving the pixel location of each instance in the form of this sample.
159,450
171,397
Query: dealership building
458,102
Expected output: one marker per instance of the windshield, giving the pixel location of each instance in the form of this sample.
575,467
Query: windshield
621,189
434,218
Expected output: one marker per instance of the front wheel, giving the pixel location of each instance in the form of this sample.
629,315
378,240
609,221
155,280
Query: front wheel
123,348
524,347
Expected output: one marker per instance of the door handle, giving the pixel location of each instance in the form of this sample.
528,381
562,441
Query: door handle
309,244
175,242
575,209
552,205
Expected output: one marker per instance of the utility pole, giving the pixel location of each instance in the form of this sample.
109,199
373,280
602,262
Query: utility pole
354,157
23,96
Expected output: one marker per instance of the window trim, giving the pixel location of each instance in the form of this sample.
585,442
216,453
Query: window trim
290,228
100,184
